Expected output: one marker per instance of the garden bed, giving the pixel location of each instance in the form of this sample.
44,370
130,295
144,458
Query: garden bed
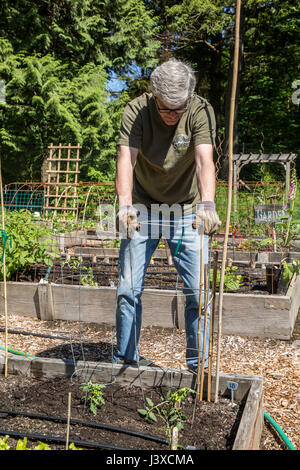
41,386
277,361
251,314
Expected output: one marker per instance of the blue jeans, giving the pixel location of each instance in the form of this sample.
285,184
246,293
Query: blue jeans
135,254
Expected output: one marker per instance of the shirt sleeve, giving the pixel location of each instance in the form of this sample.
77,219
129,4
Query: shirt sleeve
204,125
131,127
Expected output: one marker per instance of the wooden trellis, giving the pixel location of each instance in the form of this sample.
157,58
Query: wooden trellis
62,180
240,160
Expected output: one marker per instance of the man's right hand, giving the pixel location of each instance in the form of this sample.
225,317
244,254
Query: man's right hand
206,219
127,222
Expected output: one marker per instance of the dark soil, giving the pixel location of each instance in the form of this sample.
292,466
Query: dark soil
209,425
160,275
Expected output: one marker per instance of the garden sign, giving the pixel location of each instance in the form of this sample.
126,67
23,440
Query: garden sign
269,213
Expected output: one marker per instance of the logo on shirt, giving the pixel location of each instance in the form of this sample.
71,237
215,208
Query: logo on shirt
181,142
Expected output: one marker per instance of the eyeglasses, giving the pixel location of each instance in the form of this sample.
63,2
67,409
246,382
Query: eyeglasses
178,111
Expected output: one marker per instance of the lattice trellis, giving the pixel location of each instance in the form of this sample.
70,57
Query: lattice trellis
62,180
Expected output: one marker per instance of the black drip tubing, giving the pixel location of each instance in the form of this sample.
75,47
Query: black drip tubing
84,423
29,333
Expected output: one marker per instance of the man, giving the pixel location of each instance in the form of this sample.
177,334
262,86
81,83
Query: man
165,159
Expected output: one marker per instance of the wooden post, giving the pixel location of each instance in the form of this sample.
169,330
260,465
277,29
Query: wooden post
46,307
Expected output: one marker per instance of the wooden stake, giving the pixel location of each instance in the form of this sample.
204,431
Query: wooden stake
199,314
68,421
205,330
174,438
229,196
211,324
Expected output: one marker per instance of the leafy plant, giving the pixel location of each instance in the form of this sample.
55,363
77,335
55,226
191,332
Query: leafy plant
289,269
93,395
3,443
88,279
232,281
28,242
22,445
85,279
169,410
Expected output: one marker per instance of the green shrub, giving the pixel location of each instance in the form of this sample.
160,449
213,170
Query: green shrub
26,241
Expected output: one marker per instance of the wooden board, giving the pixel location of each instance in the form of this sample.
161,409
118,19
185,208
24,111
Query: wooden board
259,315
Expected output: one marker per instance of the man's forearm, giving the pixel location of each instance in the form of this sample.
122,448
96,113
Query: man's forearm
205,171
124,183
206,179
124,175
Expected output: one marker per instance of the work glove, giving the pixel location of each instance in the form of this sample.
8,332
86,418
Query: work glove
127,221
206,219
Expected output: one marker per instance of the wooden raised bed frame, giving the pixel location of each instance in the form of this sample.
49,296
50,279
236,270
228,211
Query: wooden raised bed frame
258,315
249,388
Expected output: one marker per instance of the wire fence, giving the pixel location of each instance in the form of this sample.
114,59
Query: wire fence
258,209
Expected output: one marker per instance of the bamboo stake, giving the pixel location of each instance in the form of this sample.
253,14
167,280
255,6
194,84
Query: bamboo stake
205,330
211,326
199,314
174,439
4,278
68,421
229,197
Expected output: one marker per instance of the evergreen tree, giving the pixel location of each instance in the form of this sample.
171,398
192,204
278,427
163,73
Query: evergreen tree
56,59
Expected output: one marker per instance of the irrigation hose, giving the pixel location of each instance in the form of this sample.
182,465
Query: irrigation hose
14,351
84,423
280,431
30,333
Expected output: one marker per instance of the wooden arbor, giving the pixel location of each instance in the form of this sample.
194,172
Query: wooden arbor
62,180
242,159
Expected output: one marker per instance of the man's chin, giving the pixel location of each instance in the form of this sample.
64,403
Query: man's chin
171,122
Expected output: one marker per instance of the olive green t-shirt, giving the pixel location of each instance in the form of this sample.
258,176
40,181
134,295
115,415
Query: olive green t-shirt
165,169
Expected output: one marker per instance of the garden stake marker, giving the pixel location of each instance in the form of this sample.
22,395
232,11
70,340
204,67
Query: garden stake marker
229,196
211,328
199,313
205,329
232,387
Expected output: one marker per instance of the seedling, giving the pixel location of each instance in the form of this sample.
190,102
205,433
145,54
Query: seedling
94,395
169,410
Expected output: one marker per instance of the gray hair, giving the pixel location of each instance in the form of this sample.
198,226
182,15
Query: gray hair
173,82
